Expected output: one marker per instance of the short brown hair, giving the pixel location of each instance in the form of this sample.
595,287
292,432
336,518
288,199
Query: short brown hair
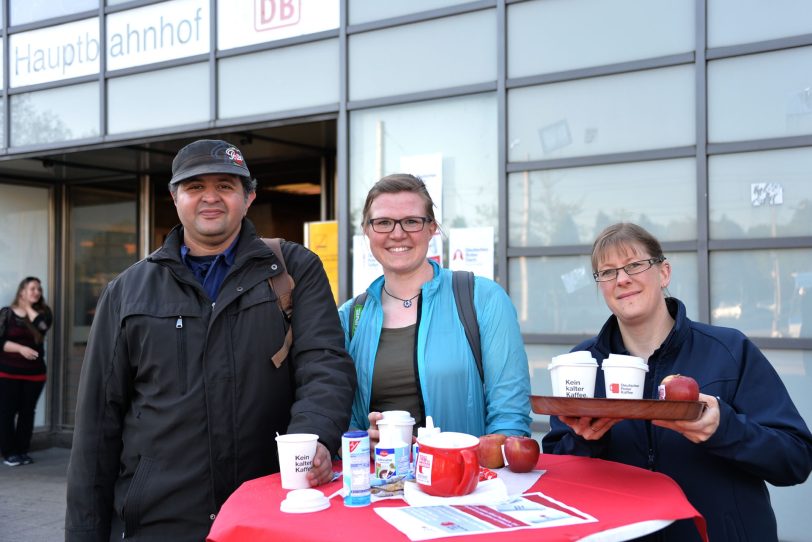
624,234
399,182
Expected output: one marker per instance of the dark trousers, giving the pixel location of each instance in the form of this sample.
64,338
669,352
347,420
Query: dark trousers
18,400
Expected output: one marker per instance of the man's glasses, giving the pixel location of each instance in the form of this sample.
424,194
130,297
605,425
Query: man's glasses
410,224
630,269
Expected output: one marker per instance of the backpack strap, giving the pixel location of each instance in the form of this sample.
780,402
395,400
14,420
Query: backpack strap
462,283
282,284
355,315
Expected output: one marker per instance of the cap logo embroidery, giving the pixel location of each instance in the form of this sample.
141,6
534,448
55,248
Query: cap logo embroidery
234,154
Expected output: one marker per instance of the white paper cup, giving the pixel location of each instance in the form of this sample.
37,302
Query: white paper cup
624,376
296,453
573,374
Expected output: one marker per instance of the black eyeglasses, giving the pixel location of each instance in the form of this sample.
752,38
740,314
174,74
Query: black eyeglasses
410,224
630,269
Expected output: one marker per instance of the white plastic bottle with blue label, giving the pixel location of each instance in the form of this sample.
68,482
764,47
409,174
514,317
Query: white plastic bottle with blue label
422,432
391,453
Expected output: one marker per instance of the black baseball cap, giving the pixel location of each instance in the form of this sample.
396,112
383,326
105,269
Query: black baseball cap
206,156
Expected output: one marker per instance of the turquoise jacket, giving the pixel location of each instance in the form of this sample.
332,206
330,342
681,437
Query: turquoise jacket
451,387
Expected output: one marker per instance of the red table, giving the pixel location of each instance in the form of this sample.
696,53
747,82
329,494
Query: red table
616,495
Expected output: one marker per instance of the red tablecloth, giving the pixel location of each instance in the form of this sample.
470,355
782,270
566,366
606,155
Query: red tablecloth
615,494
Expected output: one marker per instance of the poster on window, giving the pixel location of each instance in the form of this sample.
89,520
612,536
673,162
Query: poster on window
365,268
322,238
471,249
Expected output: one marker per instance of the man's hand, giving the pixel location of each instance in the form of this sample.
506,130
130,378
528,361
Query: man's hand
322,471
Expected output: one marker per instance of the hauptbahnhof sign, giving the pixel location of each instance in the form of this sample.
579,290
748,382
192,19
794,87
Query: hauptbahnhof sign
157,33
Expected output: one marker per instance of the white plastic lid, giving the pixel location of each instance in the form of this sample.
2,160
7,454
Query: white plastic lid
301,501
620,360
397,415
396,421
579,357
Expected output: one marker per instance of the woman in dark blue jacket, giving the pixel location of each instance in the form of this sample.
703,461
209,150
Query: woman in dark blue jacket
750,433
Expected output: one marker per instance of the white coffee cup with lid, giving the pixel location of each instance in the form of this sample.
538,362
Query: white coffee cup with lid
624,376
573,374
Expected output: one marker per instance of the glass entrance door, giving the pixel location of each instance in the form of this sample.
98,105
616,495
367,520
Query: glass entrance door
102,241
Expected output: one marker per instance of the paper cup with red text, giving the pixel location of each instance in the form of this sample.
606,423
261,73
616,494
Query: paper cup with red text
624,376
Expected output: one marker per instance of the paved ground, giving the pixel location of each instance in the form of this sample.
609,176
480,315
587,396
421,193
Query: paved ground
32,498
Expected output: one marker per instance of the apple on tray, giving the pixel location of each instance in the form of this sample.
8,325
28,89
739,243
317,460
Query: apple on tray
521,453
678,387
490,451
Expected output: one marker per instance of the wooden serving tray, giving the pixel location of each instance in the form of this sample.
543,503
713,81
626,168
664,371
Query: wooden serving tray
635,409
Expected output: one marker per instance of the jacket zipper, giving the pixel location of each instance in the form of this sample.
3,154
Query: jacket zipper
421,403
181,354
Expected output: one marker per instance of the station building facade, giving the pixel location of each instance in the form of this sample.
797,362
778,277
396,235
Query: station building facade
544,120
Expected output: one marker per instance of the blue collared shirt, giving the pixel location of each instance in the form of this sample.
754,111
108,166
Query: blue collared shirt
210,271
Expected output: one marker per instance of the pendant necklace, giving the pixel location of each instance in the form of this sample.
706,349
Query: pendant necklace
406,302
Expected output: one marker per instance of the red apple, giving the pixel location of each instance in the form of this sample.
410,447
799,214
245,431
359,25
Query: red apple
678,388
521,453
490,451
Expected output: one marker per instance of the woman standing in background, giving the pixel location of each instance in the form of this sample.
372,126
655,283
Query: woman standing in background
22,368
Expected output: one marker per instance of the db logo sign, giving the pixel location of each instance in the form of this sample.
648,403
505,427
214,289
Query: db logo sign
270,14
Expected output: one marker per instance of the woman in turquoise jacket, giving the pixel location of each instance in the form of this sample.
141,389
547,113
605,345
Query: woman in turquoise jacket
408,343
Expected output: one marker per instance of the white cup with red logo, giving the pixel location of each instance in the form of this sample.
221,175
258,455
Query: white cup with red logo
624,376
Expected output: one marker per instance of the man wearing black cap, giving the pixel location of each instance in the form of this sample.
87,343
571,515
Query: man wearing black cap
179,399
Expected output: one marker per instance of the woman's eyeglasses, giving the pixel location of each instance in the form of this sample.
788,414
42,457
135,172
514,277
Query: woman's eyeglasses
630,269
410,224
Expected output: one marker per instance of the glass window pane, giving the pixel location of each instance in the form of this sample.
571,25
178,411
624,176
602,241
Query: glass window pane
605,33
538,358
557,294
756,20
362,11
764,293
571,206
59,114
27,11
791,503
102,242
158,99
54,53
461,131
24,222
644,110
423,56
244,23
760,194
157,33
760,96
243,80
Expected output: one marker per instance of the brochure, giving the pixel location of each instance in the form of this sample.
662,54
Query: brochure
529,511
